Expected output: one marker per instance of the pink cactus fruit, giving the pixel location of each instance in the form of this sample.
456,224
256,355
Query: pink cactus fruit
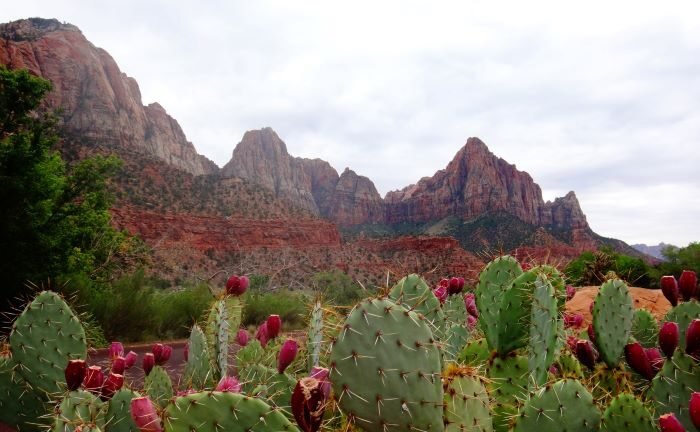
242,337
148,362
236,286
287,354
308,403
161,353
470,304
441,293
444,283
570,292
186,351
157,350
571,343
688,284
694,408
669,423
119,365
111,385
591,333
131,358
656,360
94,378
585,353
637,359
669,336
116,349
321,374
75,373
454,287
261,334
228,384
573,320
167,352
144,414
692,339
274,325
472,321
669,288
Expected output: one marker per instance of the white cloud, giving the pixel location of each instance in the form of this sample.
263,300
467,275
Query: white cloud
597,97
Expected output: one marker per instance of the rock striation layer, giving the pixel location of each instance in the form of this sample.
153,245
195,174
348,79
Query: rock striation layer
100,104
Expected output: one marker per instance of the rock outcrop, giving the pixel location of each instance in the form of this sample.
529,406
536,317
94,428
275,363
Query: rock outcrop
99,103
355,200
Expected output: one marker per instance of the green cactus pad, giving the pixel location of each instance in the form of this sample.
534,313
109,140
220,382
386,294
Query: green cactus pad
198,372
627,413
217,332
466,404
266,383
118,415
315,335
158,386
612,320
544,317
514,317
250,354
20,406
385,369
557,281
494,281
564,406
221,411
645,329
414,294
234,311
78,408
508,383
569,366
454,327
476,353
683,314
44,338
671,388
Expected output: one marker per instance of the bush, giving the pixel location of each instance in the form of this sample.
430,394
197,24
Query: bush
338,288
291,307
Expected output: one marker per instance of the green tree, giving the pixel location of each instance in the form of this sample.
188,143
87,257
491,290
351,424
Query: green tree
338,287
55,219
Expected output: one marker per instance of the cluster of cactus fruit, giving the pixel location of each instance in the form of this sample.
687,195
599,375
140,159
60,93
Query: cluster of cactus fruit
501,357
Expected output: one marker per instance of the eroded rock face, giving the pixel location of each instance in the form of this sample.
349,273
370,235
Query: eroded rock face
99,102
355,201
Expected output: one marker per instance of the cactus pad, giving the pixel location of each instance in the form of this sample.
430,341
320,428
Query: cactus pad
198,368
466,403
564,406
76,409
19,406
514,316
645,329
627,413
118,415
673,385
494,281
476,353
217,332
544,317
683,314
508,386
267,383
612,320
44,337
315,335
221,411
414,294
158,386
454,328
385,369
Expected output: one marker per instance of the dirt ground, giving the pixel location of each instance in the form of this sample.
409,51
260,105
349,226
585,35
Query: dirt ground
650,299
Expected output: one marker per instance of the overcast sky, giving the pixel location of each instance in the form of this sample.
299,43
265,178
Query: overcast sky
602,98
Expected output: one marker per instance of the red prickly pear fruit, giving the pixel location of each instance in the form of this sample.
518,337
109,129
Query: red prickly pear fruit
553,370
228,384
261,334
669,336
441,293
471,322
287,354
692,339
242,337
656,360
454,286
307,404
688,284
148,362
470,304
669,288
236,286
94,378
585,353
165,356
186,351
571,342
669,423
186,392
694,408
131,358
112,384
321,374
591,333
75,373
444,283
274,325
119,365
461,283
570,292
116,349
144,414
157,351
638,361
161,353
573,320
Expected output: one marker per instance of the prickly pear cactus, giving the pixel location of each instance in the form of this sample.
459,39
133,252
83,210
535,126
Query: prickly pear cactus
198,372
118,415
564,406
627,413
612,320
645,329
221,411
266,383
385,369
217,332
683,314
315,335
569,366
476,353
515,313
20,406
542,343
508,383
454,327
494,281
466,402
234,311
44,338
671,388
76,409
414,294
158,386
250,354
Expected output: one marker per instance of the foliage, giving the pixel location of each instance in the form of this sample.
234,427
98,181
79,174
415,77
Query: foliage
55,218
290,306
338,288
677,260
590,268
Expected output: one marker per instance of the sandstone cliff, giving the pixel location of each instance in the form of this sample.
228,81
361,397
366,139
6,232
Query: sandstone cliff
355,201
100,104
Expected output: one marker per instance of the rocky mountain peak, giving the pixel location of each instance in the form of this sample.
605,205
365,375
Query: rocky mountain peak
33,28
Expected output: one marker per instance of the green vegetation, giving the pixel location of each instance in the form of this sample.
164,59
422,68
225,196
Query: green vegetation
338,288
